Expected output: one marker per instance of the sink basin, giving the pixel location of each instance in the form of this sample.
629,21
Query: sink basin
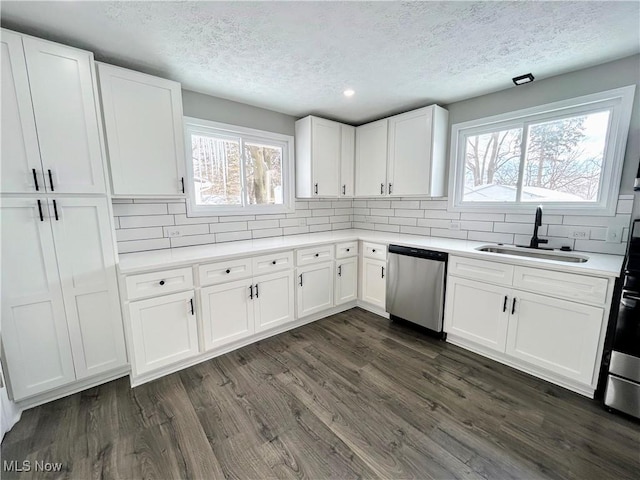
534,253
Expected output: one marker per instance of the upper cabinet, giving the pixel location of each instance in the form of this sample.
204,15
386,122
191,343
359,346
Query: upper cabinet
324,158
403,155
50,129
144,132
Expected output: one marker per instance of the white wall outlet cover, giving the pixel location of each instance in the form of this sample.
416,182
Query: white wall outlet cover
454,226
174,232
614,234
580,233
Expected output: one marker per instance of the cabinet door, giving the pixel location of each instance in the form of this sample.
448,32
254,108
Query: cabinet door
143,124
477,311
409,168
371,159
274,302
346,280
347,160
227,312
325,146
62,91
86,260
315,288
34,329
374,283
164,331
558,335
19,147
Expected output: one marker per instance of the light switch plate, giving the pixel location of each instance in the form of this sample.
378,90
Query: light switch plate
454,226
174,232
580,233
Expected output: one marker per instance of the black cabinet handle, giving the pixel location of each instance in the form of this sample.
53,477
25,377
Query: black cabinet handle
161,282
193,312
316,188
228,271
382,189
273,263
390,185
40,211
35,179
339,270
182,181
300,279
344,189
51,180
373,250
251,292
257,293
513,307
55,209
317,254
382,272
504,305
348,249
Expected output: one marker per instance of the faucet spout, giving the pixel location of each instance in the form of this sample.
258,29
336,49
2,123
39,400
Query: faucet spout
535,241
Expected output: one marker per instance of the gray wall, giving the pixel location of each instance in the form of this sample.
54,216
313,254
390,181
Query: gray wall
217,109
607,76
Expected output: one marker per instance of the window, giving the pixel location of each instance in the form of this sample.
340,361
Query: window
566,156
235,170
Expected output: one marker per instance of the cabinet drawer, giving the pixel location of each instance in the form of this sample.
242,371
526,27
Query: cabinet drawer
492,272
374,250
272,263
308,256
571,286
347,249
159,283
220,272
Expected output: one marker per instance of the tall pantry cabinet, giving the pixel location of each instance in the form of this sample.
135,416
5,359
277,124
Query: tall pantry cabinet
61,324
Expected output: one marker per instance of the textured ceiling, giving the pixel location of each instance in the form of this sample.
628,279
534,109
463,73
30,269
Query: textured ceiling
298,57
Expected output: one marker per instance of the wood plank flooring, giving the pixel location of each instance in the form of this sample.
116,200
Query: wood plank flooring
350,396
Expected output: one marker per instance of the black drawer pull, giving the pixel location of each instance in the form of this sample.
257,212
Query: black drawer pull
51,180
273,263
317,254
348,249
228,271
513,307
35,179
504,305
161,282
373,250
40,211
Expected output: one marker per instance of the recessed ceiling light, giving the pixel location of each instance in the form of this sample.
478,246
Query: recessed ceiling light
522,79
349,92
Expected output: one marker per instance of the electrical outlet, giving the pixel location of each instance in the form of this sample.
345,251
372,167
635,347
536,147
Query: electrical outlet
454,226
580,233
174,232
614,234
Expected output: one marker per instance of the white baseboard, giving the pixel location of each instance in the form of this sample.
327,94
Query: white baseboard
372,308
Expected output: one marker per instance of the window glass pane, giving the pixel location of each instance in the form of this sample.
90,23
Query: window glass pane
216,170
564,159
492,163
264,173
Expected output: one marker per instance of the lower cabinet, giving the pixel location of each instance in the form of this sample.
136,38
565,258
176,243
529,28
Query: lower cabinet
315,288
374,282
478,312
346,275
164,330
235,310
554,334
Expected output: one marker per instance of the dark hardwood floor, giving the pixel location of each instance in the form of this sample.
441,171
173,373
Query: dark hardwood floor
350,396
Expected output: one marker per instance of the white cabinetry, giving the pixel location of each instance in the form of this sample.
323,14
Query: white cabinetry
371,159
403,155
227,312
324,158
164,331
373,282
60,311
346,288
537,329
315,288
274,302
50,87
143,124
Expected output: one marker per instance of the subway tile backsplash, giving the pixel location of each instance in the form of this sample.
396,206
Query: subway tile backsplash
150,225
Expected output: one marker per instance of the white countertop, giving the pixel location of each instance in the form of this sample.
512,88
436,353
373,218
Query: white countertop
598,264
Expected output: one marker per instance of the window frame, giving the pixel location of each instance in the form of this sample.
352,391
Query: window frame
243,134
619,101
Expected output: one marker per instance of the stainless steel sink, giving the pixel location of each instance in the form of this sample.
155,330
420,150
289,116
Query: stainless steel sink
534,253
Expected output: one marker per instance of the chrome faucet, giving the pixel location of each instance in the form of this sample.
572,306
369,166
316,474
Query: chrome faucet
535,241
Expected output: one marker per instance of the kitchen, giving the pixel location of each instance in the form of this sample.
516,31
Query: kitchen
206,267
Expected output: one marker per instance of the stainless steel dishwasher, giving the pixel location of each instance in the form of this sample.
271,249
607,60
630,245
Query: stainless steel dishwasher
415,286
